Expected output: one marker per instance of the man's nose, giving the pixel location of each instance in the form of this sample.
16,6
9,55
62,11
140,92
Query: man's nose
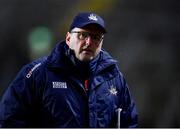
89,40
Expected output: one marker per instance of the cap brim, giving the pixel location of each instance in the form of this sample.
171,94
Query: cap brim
95,23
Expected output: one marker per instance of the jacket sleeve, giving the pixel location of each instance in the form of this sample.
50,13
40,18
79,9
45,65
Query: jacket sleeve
129,116
17,103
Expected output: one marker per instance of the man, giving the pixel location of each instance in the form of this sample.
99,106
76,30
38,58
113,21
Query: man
78,85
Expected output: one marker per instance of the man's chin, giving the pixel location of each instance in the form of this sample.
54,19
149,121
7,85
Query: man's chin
86,58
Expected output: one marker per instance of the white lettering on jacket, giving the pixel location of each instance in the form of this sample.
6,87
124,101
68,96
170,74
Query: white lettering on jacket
61,85
31,71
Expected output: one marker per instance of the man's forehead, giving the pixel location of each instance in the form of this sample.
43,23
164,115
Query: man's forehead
89,28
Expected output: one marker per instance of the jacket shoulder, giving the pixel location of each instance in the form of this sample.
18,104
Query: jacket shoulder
29,69
33,67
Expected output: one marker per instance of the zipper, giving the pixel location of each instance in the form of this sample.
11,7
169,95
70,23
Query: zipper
80,84
86,85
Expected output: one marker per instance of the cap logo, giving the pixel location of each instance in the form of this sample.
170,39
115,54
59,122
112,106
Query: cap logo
92,17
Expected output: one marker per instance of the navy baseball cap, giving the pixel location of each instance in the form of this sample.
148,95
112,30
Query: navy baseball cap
83,19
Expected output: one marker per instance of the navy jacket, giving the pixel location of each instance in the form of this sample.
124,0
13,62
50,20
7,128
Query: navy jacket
49,92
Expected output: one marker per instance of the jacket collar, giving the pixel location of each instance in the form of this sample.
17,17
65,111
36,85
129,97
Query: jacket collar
59,59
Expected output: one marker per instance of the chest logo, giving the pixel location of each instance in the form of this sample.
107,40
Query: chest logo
61,85
113,90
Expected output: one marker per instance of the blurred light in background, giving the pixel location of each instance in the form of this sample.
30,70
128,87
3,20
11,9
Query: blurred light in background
40,42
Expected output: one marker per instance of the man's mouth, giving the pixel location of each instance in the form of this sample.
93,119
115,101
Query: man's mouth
87,51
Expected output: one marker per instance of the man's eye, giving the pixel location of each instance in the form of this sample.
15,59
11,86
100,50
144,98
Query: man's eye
96,37
84,35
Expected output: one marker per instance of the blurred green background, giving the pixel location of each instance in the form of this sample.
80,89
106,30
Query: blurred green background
142,35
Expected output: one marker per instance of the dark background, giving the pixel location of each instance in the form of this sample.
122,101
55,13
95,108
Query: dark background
143,36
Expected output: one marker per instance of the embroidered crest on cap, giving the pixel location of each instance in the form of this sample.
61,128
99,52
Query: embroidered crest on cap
92,17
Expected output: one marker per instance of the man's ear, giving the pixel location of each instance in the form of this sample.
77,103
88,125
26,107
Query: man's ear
68,37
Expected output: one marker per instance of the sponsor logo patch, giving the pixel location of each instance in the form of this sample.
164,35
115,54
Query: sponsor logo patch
61,85
31,71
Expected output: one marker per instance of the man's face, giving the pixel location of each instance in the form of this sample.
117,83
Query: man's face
85,42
